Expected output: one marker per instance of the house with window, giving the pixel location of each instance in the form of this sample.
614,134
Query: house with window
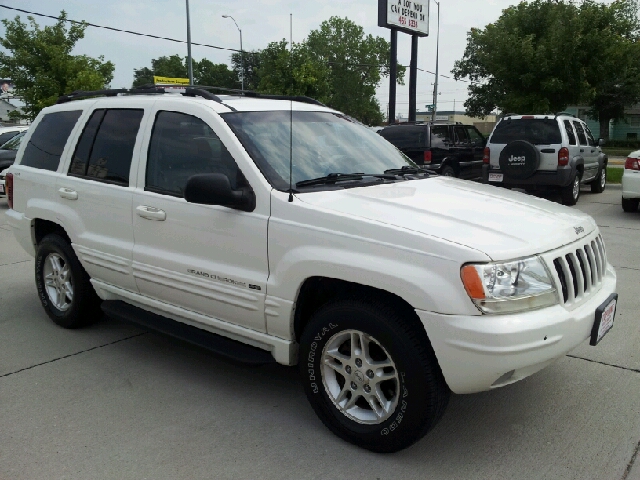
626,129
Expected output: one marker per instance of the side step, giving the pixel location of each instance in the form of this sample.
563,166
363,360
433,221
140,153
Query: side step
224,346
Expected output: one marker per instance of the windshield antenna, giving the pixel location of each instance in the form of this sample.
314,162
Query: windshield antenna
291,111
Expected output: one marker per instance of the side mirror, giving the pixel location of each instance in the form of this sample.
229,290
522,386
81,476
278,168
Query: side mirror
215,189
601,142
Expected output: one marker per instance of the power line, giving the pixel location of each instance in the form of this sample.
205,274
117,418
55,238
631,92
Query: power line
118,29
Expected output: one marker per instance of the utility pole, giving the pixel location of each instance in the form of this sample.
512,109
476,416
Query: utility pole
189,59
435,85
413,78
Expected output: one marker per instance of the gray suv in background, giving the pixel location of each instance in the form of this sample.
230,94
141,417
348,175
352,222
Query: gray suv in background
537,152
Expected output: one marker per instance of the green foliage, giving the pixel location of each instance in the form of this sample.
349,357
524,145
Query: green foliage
205,72
357,62
296,72
252,63
543,55
41,65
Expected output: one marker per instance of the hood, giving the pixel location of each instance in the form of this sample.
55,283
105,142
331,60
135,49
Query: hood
500,223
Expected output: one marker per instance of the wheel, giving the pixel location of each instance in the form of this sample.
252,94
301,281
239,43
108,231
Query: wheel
519,160
63,285
371,375
448,171
600,182
571,192
630,204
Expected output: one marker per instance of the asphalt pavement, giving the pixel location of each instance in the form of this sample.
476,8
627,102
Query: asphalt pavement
115,402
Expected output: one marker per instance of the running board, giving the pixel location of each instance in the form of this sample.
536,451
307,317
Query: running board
226,347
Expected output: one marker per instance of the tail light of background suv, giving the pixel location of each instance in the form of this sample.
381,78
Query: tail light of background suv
486,158
8,187
632,164
427,157
563,157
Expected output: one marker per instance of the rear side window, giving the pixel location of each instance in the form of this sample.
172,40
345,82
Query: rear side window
581,134
105,149
47,142
461,135
538,131
405,137
440,136
475,136
570,133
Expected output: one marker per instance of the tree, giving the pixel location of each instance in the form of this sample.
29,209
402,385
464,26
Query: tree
252,63
296,72
173,67
41,66
205,72
357,62
541,56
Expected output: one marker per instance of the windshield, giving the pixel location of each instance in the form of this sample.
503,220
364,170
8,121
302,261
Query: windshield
323,144
14,143
539,131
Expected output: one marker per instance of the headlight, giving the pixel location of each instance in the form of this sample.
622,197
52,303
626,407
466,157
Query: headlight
507,287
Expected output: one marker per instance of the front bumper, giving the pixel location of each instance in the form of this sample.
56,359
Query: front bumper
474,352
631,184
561,177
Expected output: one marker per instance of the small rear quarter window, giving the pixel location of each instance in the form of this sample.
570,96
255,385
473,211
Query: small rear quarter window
47,142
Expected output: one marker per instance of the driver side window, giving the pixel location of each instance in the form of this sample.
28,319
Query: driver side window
182,146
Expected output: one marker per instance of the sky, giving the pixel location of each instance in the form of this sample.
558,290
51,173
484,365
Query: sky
263,21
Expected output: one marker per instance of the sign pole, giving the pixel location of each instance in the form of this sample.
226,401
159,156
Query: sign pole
393,75
413,78
189,59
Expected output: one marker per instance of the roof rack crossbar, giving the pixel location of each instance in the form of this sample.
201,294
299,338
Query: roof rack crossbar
111,92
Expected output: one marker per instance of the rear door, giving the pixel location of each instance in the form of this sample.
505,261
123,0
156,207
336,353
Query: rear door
588,152
95,196
464,151
477,144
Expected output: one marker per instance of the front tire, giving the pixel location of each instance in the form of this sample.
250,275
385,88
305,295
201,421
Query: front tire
371,375
571,193
63,285
600,182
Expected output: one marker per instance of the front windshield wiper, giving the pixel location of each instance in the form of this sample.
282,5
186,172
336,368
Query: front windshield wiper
332,178
406,170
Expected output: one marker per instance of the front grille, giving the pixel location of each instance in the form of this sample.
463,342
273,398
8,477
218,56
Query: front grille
580,271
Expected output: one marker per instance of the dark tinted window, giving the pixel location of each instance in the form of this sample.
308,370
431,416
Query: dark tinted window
48,140
538,131
475,136
460,135
5,137
440,136
570,133
405,137
581,134
112,149
80,158
182,146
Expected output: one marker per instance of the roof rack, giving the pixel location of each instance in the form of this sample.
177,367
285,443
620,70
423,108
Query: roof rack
142,90
195,91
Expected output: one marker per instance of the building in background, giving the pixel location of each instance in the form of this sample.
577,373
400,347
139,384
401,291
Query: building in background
485,125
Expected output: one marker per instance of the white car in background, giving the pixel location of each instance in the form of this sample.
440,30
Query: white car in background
631,182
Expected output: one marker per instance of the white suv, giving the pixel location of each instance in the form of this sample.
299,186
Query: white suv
536,152
266,228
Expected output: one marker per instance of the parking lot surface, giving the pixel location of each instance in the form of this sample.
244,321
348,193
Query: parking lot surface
114,401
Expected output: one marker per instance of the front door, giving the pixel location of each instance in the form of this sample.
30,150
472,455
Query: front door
206,259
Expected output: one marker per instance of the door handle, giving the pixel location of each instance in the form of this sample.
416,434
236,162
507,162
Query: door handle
68,193
151,213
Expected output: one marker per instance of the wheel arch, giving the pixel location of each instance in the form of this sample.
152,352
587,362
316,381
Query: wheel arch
41,228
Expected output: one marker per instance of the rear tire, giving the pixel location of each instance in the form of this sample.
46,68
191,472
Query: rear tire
600,182
571,193
342,346
448,171
63,285
630,205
